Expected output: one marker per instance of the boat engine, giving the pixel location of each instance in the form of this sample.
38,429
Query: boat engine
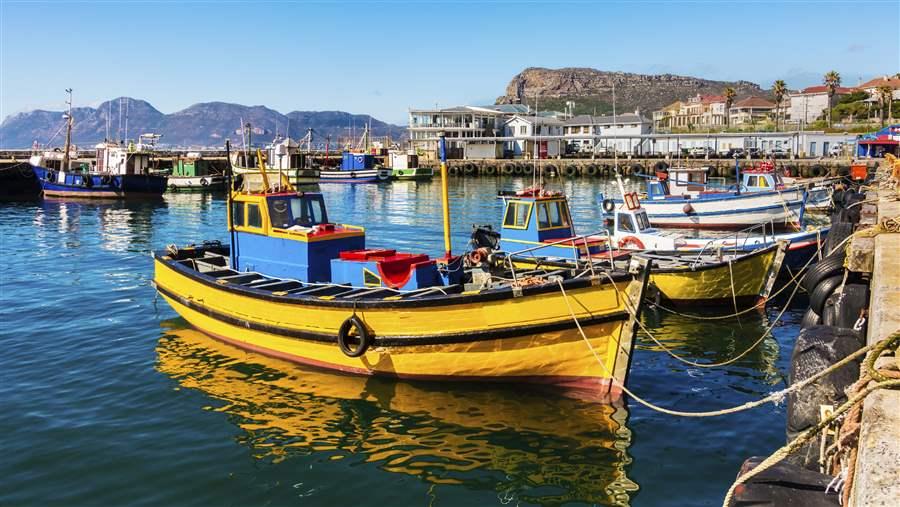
484,241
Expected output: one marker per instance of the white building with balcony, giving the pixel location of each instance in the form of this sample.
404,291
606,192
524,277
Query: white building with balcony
620,132
525,127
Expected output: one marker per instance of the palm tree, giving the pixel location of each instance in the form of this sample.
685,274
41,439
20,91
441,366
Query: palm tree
832,80
779,88
885,97
729,100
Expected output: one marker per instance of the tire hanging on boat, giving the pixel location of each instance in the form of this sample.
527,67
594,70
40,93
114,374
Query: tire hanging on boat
365,339
608,205
203,182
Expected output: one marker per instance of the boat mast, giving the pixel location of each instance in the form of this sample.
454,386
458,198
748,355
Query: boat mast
65,160
445,198
616,146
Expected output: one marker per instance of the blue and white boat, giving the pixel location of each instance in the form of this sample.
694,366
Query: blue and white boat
683,199
356,168
118,172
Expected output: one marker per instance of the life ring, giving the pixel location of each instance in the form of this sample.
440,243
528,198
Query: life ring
631,242
365,339
203,182
608,205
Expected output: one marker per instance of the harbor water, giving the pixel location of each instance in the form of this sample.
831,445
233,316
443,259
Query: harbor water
110,399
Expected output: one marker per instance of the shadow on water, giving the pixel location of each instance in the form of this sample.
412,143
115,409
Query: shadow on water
519,445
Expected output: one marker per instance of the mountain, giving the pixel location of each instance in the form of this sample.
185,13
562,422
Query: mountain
207,124
591,89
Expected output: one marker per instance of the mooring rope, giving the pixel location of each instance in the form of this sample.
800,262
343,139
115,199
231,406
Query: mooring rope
774,397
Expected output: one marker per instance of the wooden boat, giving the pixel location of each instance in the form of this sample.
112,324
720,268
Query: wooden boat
405,166
297,286
284,410
680,198
194,174
120,171
537,231
631,230
282,156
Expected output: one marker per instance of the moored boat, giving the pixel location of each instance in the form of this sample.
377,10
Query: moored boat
282,156
295,285
192,173
681,198
119,172
356,168
405,166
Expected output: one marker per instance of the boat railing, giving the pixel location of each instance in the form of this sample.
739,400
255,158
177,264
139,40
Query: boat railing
583,238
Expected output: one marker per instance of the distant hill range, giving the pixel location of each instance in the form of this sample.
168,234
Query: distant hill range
591,89
206,124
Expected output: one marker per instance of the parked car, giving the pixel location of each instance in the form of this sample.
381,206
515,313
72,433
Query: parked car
779,153
700,151
736,153
754,152
836,150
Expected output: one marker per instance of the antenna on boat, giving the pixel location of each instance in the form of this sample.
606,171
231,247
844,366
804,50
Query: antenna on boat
108,114
445,198
126,119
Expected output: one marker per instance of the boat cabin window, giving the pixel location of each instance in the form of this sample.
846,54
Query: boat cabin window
517,213
291,210
254,219
643,222
237,214
625,223
551,215
763,182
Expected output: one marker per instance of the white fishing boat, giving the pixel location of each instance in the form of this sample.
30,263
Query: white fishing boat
682,198
282,155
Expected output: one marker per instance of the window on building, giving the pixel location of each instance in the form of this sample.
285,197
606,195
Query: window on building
254,218
237,213
523,129
517,214
812,148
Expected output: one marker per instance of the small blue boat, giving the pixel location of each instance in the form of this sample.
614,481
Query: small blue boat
356,168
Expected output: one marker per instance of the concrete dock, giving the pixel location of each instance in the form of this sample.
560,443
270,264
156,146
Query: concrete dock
877,474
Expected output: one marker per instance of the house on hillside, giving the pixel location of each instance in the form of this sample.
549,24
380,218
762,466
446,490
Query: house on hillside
700,112
807,105
750,111
871,87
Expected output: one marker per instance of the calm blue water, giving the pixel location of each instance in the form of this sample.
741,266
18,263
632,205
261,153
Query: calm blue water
109,399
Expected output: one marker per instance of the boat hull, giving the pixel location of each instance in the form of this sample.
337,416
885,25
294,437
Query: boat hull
196,183
360,176
498,337
416,173
782,209
101,186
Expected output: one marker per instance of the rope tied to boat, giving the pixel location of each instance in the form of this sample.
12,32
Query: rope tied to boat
773,397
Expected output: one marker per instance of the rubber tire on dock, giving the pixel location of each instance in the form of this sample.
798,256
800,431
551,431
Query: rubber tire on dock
661,167
818,170
825,268
470,170
838,233
844,170
490,170
804,172
637,169
551,169
509,168
817,348
520,169
824,289
453,170
810,318
570,171
783,484
843,308
591,170
528,169
606,170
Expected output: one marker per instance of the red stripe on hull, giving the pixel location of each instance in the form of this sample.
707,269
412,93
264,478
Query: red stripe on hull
691,225
101,195
595,389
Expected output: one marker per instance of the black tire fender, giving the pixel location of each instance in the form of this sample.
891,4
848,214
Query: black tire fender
608,205
203,182
365,338
825,288
810,319
827,267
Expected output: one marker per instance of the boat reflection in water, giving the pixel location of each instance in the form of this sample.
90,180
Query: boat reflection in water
542,449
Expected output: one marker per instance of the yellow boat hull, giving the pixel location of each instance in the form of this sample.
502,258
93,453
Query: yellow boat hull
530,338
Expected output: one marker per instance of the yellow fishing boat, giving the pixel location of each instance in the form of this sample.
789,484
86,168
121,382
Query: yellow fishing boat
537,232
578,451
297,286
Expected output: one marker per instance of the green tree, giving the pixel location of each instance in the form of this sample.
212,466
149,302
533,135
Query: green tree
779,89
729,100
832,80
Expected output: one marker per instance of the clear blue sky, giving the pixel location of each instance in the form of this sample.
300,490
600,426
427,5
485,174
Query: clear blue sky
381,58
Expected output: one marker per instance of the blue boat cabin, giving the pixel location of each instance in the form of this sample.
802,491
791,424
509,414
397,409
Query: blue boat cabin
289,235
539,225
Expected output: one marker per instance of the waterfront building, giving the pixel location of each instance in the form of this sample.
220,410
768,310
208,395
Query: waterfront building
750,111
700,112
523,127
458,123
808,105
621,132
